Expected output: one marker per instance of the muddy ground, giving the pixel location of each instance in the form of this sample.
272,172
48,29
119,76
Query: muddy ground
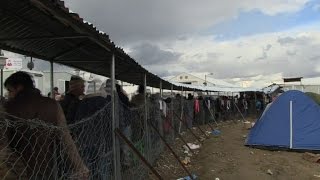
225,157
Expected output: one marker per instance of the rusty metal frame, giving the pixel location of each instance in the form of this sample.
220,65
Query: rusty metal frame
171,150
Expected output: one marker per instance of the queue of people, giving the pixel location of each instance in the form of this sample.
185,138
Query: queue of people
84,143
34,145
26,103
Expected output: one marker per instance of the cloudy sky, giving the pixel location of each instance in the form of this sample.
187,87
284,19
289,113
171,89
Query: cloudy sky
256,41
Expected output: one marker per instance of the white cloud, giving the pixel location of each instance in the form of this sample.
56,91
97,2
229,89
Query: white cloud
168,33
272,7
259,60
131,21
258,81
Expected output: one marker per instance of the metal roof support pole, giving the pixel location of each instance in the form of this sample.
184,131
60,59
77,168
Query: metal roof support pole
219,113
161,90
239,111
255,101
1,81
160,127
172,120
181,108
146,127
2,65
291,117
94,87
232,109
181,91
115,123
51,80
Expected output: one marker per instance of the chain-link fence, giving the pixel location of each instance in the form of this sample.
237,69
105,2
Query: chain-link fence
32,149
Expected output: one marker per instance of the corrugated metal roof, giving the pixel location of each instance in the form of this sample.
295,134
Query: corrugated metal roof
218,88
48,30
270,89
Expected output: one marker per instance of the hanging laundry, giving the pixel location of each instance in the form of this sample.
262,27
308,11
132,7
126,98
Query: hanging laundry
228,104
222,102
196,106
160,104
164,108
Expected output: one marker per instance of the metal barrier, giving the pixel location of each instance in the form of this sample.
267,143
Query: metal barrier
32,149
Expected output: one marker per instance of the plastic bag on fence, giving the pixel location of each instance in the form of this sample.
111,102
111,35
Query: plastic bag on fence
216,132
193,146
188,177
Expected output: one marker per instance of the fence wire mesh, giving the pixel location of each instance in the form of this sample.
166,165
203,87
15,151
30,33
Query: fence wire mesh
93,135
32,149
134,130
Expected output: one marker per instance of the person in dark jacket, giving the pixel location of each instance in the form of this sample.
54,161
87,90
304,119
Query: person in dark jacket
93,133
138,99
71,100
31,133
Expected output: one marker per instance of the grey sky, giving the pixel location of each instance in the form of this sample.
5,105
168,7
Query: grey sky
174,36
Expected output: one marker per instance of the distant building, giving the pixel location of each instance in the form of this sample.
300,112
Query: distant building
42,80
60,80
199,79
303,88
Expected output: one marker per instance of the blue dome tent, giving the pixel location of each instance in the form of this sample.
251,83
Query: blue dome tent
291,122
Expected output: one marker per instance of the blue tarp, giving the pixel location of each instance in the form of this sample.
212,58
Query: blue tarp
275,126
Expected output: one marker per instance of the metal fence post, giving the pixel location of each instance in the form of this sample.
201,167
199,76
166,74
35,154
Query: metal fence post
2,65
181,108
255,101
115,124
1,79
219,104
161,93
51,80
233,112
146,119
161,120
171,107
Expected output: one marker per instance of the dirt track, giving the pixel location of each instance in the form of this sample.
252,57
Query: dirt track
225,157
